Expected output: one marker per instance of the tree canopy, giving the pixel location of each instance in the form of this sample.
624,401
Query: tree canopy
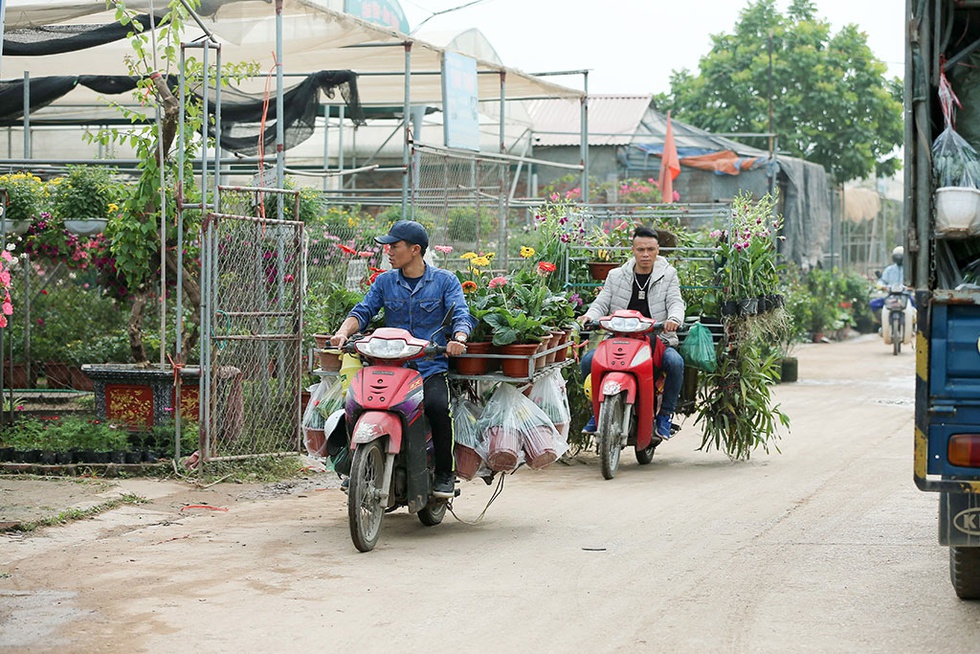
831,101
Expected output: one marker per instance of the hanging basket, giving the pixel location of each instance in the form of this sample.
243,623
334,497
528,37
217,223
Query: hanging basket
86,226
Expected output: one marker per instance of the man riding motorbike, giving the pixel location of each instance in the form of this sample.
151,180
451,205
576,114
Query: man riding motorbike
646,283
416,297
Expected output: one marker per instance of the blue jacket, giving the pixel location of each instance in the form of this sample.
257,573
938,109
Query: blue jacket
420,311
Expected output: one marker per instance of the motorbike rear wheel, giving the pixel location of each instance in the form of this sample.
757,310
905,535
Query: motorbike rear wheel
365,510
610,434
433,512
645,456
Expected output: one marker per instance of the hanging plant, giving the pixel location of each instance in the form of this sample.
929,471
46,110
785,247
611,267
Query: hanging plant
735,402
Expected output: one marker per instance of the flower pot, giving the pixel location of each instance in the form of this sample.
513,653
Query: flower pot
539,447
322,340
957,210
748,306
553,342
16,227
729,308
562,354
539,356
134,457
79,380
18,376
789,369
468,461
518,367
86,226
504,444
330,360
58,375
471,363
315,441
600,269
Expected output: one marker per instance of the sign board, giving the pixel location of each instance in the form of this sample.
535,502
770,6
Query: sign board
460,102
381,12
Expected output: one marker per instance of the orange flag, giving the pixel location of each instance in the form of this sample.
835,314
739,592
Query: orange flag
670,165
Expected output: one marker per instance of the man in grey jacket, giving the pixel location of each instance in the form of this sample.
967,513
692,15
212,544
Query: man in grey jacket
648,284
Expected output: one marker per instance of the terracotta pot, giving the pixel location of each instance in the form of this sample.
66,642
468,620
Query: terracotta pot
539,356
330,360
562,354
468,461
322,340
504,444
315,441
57,374
600,269
473,365
539,447
553,342
79,380
518,367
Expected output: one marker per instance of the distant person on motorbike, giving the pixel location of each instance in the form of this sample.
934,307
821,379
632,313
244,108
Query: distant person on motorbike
417,297
894,275
648,284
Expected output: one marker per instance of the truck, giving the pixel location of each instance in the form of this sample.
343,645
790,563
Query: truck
942,244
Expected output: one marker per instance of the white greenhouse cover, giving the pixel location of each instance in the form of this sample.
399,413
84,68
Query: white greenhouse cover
315,38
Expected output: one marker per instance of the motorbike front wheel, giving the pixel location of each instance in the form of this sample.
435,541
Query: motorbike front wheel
365,510
610,436
898,329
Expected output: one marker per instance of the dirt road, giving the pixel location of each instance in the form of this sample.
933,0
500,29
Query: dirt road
826,547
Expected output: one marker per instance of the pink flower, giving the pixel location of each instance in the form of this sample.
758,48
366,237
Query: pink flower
365,254
445,249
8,308
288,278
496,282
715,234
7,256
555,197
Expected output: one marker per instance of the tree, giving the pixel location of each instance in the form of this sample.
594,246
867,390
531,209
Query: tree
831,101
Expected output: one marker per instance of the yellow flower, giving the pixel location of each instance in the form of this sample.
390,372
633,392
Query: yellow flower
113,207
468,255
480,261
527,252
490,255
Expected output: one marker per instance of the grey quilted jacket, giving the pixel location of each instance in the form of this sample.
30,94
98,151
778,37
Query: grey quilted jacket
663,293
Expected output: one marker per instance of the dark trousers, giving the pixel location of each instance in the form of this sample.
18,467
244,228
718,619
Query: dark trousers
436,393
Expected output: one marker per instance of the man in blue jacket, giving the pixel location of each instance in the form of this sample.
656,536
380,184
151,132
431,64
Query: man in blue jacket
417,297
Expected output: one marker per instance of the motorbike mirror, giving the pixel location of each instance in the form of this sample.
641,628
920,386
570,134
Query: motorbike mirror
447,321
878,273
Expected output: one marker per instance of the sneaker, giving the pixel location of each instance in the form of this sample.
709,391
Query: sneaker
590,426
663,426
444,485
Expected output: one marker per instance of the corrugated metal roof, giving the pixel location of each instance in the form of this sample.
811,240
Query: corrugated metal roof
613,119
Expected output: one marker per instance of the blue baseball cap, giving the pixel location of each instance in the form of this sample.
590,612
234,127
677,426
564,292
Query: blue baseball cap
408,231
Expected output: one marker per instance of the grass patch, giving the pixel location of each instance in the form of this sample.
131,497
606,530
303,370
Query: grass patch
72,515
261,469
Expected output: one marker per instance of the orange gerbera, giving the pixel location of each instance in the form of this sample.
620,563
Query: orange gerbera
346,248
546,267
469,286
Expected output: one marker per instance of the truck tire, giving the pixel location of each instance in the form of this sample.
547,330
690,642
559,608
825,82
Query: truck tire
964,571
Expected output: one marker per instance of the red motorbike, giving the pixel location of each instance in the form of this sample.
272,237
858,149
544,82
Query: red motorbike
390,440
627,382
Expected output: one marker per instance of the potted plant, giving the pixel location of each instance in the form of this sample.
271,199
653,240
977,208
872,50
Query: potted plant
26,198
326,309
85,198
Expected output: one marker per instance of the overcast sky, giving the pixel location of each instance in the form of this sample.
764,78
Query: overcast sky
631,46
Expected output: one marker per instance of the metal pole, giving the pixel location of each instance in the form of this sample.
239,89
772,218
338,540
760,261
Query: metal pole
280,142
340,142
502,168
405,119
585,138
326,144
180,251
27,114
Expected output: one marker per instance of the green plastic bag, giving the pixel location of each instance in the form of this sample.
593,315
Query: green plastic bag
698,350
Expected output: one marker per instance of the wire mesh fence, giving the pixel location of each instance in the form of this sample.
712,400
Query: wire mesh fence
252,303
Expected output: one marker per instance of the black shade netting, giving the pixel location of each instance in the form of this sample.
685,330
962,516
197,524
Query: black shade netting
57,39
241,113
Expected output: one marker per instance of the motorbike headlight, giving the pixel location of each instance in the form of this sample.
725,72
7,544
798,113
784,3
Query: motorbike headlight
383,348
624,325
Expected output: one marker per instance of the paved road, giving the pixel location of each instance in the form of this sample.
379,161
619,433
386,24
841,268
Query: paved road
825,547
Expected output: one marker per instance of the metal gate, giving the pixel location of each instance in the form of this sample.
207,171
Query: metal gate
251,315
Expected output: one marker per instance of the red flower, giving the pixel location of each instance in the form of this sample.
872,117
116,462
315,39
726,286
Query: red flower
346,249
546,267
